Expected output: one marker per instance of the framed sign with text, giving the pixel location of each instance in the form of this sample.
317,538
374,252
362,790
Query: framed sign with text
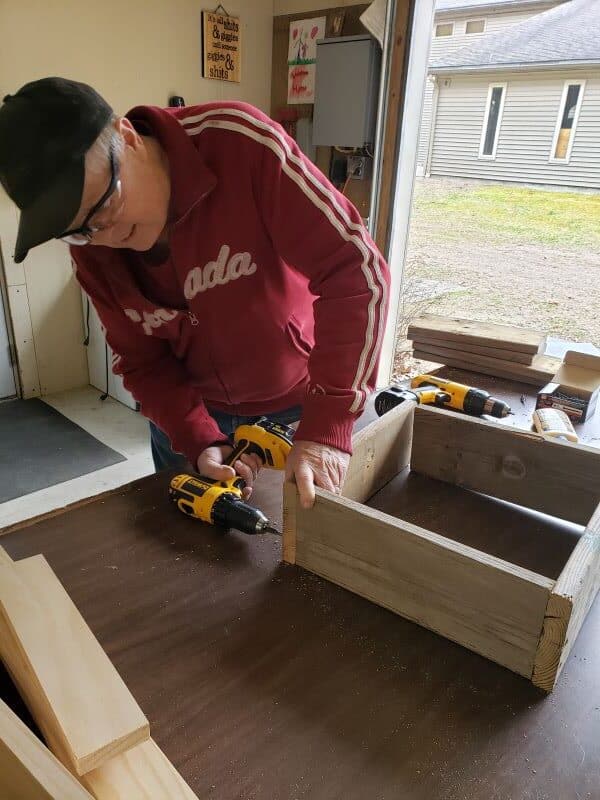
221,47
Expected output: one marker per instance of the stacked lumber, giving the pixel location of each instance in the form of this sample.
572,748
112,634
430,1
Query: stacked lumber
504,351
93,726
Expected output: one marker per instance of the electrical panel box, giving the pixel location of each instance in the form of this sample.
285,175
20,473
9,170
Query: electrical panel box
346,91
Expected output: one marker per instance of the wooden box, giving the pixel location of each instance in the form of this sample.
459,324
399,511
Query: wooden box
523,620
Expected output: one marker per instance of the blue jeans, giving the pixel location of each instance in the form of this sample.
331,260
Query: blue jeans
165,457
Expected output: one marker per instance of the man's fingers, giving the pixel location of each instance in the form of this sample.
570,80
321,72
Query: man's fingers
252,461
218,472
306,487
245,472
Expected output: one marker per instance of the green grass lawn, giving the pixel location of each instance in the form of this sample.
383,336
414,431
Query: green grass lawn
562,219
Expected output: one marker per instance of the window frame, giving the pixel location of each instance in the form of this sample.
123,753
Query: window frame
561,110
444,35
488,105
474,33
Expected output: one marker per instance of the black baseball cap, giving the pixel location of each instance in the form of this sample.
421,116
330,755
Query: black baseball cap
46,128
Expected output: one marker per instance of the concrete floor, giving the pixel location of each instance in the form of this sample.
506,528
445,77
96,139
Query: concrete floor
113,424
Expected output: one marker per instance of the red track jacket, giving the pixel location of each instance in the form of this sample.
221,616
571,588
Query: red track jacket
273,294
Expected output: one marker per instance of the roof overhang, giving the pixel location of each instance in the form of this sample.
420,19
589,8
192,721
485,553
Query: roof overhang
488,8
538,66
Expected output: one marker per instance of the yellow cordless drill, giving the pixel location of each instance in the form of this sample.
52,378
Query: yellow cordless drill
475,402
220,502
430,390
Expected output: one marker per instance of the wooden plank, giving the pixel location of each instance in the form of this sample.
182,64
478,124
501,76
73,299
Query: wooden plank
4,557
541,370
568,605
142,773
486,604
74,693
495,371
425,342
393,125
289,522
28,770
379,452
487,334
557,478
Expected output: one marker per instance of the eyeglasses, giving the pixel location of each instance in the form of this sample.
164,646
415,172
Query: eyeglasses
84,233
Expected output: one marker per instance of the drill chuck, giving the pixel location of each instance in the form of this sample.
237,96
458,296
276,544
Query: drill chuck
231,512
496,408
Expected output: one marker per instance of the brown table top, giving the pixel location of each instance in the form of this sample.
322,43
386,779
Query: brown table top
264,681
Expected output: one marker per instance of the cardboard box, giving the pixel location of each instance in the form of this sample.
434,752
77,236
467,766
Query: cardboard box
575,387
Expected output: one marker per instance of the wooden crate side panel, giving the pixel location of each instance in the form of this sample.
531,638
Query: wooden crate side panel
532,378
568,606
477,600
557,478
290,498
28,770
380,452
513,356
73,691
540,371
488,334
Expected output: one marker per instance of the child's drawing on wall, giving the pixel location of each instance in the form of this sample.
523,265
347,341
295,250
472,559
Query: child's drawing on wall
302,56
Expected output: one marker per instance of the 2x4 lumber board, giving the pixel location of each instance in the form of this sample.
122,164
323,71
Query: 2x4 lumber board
557,478
425,342
379,452
464,363
142,773
568,605
4,557
73,691
541,370
488,334
289,522
480,601
28,770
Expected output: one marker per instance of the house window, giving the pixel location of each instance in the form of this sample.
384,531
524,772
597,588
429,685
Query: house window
566,123
444,29
492,120
475,26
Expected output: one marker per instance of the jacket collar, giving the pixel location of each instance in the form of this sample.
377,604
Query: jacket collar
191,179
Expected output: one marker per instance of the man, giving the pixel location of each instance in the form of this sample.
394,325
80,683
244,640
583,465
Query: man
232,279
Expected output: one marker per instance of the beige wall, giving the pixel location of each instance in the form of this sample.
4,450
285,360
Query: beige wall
300,6
132,51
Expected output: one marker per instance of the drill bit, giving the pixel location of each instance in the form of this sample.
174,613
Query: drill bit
266,527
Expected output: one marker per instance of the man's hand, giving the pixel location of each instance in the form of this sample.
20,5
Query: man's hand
210,465
311,464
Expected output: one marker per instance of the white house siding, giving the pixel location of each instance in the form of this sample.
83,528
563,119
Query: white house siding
442,45
531,107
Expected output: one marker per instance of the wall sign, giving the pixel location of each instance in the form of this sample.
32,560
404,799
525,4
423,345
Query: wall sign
221,47
302,57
